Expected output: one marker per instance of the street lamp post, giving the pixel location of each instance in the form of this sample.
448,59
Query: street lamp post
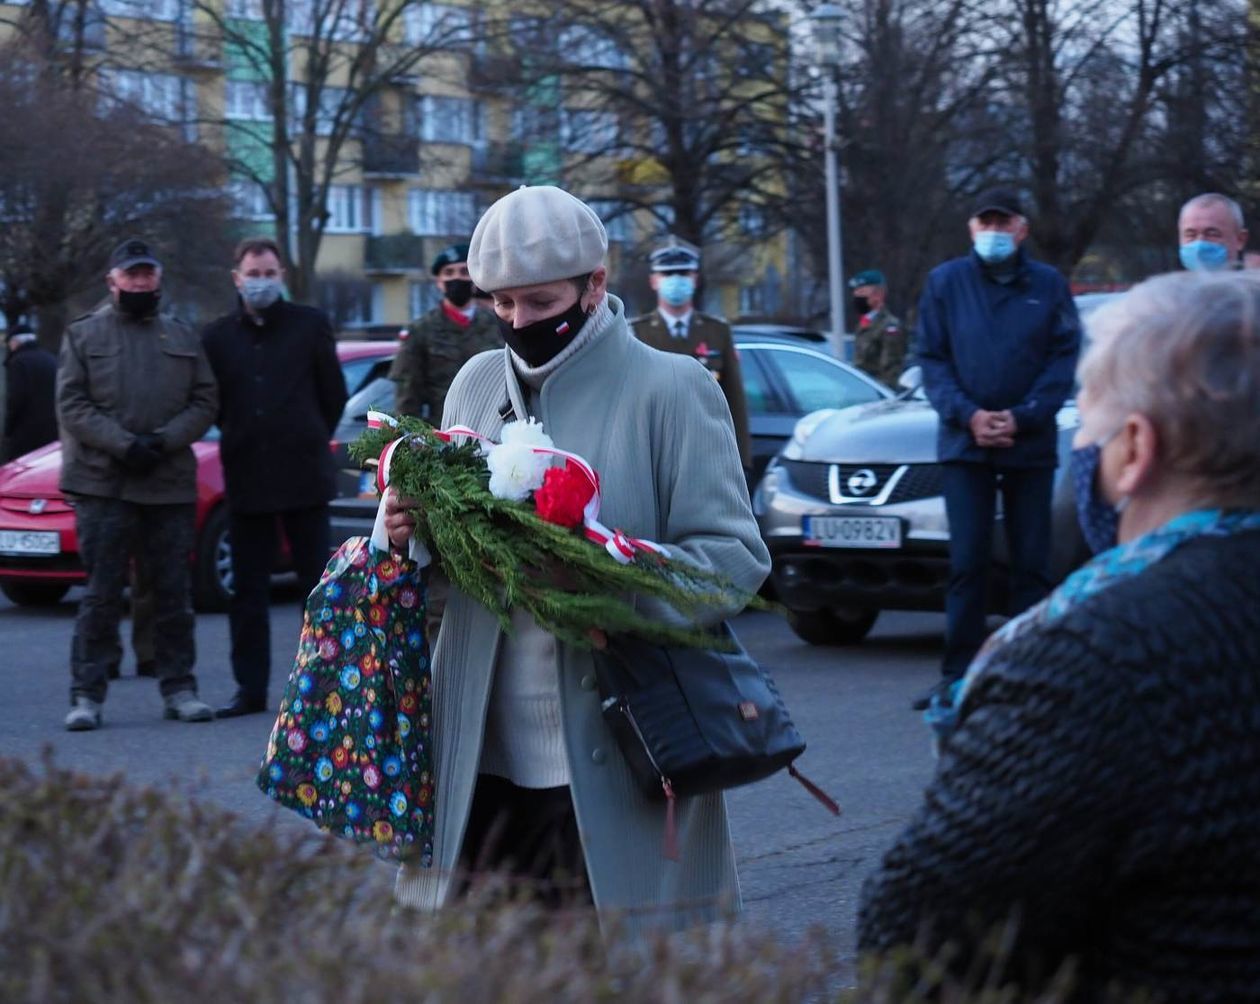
826,18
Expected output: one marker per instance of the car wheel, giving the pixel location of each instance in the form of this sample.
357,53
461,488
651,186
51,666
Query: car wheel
34,594
832,627
212,568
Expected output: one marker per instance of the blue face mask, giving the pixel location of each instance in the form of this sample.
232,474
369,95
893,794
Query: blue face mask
1099,519
993,245
1204,256
677,290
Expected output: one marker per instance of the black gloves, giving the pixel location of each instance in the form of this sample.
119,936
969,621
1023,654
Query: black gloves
144,453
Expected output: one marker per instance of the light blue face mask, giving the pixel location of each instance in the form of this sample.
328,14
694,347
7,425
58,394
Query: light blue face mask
1204,256
677,290
993,245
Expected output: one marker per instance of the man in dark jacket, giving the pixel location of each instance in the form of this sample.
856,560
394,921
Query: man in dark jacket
30,411
281,395
439,343
134,392
998,339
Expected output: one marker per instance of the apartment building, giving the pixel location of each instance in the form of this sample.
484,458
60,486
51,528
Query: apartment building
423,113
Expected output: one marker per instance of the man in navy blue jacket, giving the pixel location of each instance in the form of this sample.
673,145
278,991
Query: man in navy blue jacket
998,339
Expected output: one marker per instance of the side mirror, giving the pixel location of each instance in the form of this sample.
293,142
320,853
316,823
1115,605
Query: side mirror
911,378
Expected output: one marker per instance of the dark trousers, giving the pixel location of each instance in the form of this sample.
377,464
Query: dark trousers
161,537
970,496
255,541
529,835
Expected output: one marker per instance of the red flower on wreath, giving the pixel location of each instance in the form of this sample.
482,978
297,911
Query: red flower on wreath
563,496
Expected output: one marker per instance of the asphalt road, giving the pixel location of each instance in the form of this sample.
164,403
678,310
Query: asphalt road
799,865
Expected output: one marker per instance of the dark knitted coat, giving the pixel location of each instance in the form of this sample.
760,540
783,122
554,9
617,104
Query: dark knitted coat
1104,782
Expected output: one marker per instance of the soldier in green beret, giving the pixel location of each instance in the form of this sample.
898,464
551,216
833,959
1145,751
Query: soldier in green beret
879,347
441,341
437,346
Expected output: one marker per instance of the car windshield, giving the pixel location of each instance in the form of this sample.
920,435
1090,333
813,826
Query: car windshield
378,394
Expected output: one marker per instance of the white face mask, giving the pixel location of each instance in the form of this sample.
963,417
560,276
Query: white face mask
259,294
677,290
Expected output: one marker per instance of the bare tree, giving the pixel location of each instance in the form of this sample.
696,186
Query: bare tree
80,168
677,108
332,84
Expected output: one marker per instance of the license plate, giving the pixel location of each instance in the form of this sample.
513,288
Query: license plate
29,542
853,531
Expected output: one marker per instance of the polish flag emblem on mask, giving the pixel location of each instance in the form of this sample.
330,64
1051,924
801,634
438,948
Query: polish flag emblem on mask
563,328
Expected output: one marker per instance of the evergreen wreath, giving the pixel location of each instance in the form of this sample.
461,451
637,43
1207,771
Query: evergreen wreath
501,553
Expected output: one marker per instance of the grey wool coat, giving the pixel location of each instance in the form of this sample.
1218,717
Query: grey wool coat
656,427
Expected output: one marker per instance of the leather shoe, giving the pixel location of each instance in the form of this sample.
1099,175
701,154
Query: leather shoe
242,704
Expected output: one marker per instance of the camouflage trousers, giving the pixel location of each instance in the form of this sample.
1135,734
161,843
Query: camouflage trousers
161,537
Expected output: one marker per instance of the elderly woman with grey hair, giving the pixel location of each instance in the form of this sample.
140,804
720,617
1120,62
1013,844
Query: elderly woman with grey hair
1100,789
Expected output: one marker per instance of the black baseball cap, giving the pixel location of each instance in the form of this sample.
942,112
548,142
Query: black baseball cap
133,251
452,255
998,200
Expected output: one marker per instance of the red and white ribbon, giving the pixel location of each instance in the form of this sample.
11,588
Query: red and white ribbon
618,544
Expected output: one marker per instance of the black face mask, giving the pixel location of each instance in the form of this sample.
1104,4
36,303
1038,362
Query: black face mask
861,304
543,340
139,305
458,291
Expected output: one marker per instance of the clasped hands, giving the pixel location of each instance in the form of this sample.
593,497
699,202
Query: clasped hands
144,453
993,428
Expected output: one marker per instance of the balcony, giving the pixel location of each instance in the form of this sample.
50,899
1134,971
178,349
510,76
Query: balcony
497,164
493,71
391,156
198,51
395,254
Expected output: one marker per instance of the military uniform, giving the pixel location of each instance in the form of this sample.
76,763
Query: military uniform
879,348
435,349
709,340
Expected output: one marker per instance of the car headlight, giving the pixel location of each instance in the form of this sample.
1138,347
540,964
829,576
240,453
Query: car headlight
806,425
767,488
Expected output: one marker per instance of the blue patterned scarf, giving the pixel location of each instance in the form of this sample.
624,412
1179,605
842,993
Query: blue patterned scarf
1104,570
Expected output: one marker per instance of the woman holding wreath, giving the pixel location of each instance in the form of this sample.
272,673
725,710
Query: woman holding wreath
529,780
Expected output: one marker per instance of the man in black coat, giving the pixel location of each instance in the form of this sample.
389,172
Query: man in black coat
281,393
30,412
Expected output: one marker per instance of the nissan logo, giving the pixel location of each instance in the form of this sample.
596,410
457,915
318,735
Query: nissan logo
861,482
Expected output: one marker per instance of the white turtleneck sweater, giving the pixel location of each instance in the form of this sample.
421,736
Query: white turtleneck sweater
524,739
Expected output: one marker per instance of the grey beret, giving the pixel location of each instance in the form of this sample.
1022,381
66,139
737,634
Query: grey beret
534,235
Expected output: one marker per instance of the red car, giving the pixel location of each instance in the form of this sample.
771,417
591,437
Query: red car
39,548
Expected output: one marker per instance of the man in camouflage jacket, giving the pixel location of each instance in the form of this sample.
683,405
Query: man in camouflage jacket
879,347
441,341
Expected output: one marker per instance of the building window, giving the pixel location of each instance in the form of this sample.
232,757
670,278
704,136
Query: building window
535,123
158,95
449,120
247,100
435,213
245,10
350,302
616,218
349,210
250,201
438,24
752,300
157,10
332,104
342,20
424,297
589,132
752,221
588,46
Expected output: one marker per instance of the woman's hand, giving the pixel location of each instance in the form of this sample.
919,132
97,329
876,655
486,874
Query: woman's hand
399,523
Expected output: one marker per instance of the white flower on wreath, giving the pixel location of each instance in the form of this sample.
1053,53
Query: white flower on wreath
515,469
